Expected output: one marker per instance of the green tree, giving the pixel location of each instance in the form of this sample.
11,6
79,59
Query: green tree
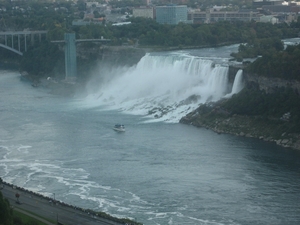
42,60
6,213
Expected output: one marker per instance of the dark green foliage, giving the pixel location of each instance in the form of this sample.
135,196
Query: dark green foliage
32,222
258,47
282,64
253,102
24,219
42,60
150,33
56,33
9,56
81,5
93,31
39,15
6,213
18,220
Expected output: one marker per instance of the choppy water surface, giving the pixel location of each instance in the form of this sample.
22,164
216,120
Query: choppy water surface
156,173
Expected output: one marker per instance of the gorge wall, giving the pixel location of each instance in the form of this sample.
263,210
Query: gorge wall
267,84
216,118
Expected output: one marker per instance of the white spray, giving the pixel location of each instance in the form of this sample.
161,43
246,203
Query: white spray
163,87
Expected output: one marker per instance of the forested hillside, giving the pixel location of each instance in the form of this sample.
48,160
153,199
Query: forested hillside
281,64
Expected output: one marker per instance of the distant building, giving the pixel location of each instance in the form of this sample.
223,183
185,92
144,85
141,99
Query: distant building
281,8
286,17
218,8
121,24
97,21
88,16
171,14
146,12
211,16
260,3
268,19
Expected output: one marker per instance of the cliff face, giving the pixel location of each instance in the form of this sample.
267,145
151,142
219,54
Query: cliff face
269,85
213,116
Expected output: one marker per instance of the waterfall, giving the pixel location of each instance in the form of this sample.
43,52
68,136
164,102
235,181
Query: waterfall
238,82
162,87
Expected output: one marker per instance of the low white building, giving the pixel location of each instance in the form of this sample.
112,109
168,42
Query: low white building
268,19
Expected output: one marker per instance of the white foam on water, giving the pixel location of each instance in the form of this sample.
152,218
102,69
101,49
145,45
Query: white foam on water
161,87
6,161
24,148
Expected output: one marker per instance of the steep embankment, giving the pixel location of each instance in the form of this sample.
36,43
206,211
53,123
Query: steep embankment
262,116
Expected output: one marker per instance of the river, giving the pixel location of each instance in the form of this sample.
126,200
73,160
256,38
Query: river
158,171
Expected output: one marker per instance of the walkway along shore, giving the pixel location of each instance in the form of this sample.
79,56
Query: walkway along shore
34,204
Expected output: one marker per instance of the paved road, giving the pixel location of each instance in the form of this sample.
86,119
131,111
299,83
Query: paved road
41,206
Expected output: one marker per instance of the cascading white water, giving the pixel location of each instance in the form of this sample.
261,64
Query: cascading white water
238,82
163,87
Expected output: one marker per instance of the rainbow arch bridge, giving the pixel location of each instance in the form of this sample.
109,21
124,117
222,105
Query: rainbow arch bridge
18,41
8,40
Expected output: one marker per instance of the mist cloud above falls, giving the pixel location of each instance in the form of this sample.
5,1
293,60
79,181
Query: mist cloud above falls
168,86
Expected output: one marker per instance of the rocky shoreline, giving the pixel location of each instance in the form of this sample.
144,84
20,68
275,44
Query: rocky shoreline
212,116
220,121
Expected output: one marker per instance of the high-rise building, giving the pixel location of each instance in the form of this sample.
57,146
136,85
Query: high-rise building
171,14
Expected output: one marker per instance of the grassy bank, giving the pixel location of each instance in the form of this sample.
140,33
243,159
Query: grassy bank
22,217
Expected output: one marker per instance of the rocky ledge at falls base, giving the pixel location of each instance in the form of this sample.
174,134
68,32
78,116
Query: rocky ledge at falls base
246,126
215,117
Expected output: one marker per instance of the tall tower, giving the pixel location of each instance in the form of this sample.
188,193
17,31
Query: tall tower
70,56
